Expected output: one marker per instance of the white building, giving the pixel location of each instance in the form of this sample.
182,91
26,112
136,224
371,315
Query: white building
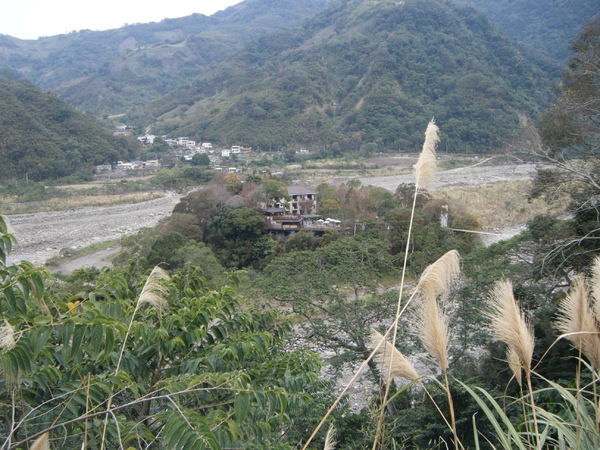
304,200
147,139
125,166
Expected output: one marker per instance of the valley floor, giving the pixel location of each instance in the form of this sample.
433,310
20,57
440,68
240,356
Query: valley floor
42,235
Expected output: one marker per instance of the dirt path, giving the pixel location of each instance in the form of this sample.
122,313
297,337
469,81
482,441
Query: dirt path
101,258
41,236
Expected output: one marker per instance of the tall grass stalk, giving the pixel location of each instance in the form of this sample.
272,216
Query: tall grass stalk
347,388
424,174
392,360
508,325
433,331
376,349
435,282
578,323
154,293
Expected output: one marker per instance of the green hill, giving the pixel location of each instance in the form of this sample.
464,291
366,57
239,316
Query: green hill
367,76
548,25
114,71
42,137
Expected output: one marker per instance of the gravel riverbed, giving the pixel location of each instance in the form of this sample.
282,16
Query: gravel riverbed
41,236
463,176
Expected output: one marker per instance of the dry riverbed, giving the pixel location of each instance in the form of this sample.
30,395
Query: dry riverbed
42,235
463,176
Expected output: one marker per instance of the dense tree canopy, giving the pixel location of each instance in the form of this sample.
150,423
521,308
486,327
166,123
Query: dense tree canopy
334,289
42,137
144,361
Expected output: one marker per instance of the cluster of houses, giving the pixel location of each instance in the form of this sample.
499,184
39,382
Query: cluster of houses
287,217
194,147
186,148
133,164
283,217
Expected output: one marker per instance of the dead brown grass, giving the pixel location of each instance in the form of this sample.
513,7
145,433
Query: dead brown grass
502,204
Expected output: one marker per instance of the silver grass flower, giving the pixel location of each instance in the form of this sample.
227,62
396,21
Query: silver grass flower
7,337
330,439
154,291
41,443
595,284
438,277
389,356
515,364
433,331
509,326
577,321
427,163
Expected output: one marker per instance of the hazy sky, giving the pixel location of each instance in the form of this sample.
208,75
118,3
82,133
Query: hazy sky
30,19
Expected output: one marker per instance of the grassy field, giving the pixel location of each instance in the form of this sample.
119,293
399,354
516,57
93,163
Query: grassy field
502,204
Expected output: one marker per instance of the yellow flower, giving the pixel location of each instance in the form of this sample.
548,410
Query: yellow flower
73,306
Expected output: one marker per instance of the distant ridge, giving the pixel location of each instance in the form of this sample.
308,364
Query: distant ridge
547,25
365,76
114,71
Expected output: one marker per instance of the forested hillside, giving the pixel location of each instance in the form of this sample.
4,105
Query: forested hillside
455,345
547,25
43,137
365,76
110,72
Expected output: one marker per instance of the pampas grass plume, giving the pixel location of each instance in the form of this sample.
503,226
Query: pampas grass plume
576,320
389,354
154,292
330,438
509,326
595,284
515,365
7,337
427,163
433,331
41,443
437,278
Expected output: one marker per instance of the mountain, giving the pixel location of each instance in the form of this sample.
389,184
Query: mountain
547,25
110,72
43,137
365,75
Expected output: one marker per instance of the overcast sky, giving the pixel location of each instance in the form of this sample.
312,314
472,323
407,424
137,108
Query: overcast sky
30,19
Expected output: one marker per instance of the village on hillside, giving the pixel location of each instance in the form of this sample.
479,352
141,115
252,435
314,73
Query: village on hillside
283,216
